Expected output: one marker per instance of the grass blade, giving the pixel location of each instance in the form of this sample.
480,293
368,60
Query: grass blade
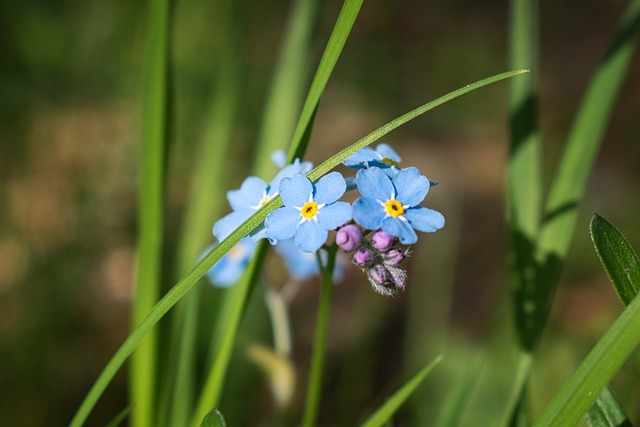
191,278
214,419
607,411
151,207
618,258
384,413
336,42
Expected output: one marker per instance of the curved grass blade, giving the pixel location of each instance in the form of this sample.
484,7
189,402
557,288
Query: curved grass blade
336,42
384,413
618,258
607,412
191,278
122,415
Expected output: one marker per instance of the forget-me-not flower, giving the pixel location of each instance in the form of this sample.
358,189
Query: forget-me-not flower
304,265
229,268
383,157
251,196
309,211
391,204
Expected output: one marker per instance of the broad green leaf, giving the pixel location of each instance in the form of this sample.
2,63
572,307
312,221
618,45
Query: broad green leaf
617,257
214,419
386,411
595,372
191,278
607,411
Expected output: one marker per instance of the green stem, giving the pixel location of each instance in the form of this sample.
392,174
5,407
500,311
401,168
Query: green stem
151,208
320,344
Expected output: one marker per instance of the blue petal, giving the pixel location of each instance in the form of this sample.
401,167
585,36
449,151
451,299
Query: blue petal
279,158
401,229
227,224
310,236
361,158
229,268
288,171
295,191
329,188
411,187
351,183
368,213
374,184
385,150
424,219
281,224
334,215
249,193
301,265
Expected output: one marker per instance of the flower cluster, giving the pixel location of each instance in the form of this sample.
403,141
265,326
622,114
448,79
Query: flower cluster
376,229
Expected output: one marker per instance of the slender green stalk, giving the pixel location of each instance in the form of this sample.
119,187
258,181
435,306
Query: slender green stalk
336,42
151,208
211,392
314,388
285,93
191,278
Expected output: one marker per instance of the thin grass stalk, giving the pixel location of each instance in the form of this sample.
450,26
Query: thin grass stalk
151,207
286,91
314,388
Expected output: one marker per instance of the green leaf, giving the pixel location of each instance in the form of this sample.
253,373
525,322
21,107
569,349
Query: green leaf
115,422
214,419
607,412
191,278
595,372
384,413
617,257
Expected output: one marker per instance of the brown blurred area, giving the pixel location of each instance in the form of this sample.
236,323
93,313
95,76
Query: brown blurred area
70,106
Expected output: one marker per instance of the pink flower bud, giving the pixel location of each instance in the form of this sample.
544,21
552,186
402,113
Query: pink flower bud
349,237
393,257
382,241
363,257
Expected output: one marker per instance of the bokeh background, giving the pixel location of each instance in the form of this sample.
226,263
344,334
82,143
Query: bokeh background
70,112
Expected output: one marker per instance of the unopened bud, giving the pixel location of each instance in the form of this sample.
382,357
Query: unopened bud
381,280
394,257
382,241
349,237
363,257
398,276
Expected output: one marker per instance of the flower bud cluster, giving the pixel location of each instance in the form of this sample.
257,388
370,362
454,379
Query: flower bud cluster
379,256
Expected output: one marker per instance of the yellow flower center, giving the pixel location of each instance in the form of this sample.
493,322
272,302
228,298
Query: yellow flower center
263,201
390,162
309,210
394,207
237,252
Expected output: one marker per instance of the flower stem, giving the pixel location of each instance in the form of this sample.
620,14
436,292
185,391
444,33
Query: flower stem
322,326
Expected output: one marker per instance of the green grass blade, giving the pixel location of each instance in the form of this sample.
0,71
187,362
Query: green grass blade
386,411
191,278
618,258
320,342
595,372
214,419
328,61
118,419
607,412
585,139
151,207
336,159
212,389
285,94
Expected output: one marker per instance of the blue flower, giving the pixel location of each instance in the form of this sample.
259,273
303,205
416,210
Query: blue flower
251,196
392,204
304,265
229,268
309,211
383,157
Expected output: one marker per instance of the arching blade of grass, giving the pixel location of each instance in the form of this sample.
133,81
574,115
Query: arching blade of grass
386,411
607,412
214,419
191,278
151,207
595,372
328,61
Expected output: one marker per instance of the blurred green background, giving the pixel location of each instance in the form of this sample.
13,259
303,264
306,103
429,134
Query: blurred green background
70,107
